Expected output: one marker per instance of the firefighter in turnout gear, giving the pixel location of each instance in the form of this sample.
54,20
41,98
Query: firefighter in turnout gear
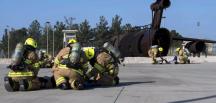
105,64
153,52
68,67
183,54
24,69
46,59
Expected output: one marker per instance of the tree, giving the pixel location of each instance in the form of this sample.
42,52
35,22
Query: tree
4,42
84,32
59,26
174,43
173,33
69,21
17,36
34,30
127,27
116,25
102,31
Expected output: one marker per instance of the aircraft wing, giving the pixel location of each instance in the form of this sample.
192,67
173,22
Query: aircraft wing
193,39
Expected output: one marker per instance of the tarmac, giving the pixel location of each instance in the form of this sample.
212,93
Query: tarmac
139,83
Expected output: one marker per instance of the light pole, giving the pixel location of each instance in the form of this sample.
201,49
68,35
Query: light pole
54,40
47,24
8,34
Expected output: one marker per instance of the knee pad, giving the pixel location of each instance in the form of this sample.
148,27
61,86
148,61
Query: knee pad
10,85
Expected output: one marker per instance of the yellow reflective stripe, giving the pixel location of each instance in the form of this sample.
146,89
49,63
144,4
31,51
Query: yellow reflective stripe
56,61
41,62
29,85
20,74
110,66
60,80
36,65
99,67
62,66
27,61
78,71
65,56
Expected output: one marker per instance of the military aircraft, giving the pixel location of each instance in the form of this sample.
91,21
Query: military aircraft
137,42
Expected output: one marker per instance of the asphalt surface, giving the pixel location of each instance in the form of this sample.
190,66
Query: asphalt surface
139,83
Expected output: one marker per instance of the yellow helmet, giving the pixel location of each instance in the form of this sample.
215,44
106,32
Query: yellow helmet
89,52
31,42
177,49
160,49
72,41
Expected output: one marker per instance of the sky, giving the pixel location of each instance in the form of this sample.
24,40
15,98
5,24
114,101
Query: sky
182,16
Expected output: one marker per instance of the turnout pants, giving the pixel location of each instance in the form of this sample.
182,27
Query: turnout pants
67,75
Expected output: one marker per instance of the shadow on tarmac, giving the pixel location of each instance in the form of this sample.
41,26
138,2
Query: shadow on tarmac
133,83
196,99
121,84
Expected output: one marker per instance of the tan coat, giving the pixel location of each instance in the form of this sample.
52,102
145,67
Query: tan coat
153,54
61,73
111,69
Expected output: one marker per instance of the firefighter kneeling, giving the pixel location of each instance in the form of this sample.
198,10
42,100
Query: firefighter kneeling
68,67
105,64
24,69
155,51
183,54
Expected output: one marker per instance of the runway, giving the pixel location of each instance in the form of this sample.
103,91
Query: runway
139,83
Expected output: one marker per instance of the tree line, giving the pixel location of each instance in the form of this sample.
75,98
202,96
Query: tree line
87,35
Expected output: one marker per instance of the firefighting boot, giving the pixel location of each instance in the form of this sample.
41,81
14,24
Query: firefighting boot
63,86
116,80
10,85
77,85
24,85
47,82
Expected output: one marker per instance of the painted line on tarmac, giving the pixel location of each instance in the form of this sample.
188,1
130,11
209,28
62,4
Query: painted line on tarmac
119,94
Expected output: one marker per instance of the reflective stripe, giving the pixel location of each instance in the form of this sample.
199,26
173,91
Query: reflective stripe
60,80
78,71
65,56
111,72
56,61
110,66
99,67
62,66
20,74
36,65
29,85
65,67
41,62
27,61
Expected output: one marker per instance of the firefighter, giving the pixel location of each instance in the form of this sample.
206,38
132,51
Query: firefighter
155,51
183,55
24,69
105,64
68,64
46,59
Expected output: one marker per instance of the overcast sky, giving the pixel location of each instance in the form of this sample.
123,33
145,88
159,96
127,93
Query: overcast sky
183,15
